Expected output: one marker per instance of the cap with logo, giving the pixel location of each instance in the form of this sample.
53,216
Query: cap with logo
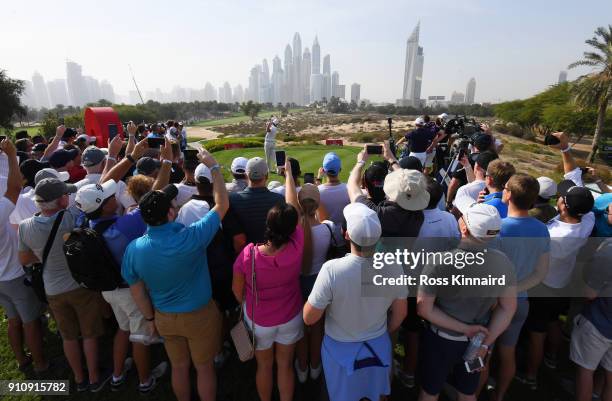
202,172
92,156
548,188
51,173
578,200
154,205
362,224
50,189
239,165
482,220
407,188
147,165
61,157
90,197
256,168
332,164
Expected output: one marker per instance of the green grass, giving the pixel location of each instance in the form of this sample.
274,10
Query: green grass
310,158
238,118
33,130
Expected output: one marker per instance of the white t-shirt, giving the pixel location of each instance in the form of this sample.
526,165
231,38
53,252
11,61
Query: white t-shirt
350,316
565,242
271,135
334,198
10,268
321,241
281,190
439,224
192,211
25,208
471,190
185,192
576,176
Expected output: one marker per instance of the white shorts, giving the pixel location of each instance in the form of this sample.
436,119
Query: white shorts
129,318
590,348
425,158
286,333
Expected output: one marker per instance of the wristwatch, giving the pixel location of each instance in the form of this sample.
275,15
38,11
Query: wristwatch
215,167
130,158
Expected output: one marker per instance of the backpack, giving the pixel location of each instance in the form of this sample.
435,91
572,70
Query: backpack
89,260
334,251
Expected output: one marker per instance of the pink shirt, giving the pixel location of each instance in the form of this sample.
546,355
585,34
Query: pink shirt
279,297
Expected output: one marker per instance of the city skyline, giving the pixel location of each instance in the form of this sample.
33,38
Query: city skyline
367,43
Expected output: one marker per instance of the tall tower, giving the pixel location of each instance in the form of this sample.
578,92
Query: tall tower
297,69
41,95
413,71
562,77
277,80
306,70
76,84
470,91
335,82
316,57
326,91
264,83
288,83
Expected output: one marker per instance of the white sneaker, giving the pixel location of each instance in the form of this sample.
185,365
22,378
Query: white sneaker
159,370
301,374
315,373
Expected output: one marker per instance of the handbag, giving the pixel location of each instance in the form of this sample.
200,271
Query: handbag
243,337
36,281
334,251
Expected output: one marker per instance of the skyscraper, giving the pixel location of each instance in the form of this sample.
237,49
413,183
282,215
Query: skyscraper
316,57
254,85
457,98
316,87
470,92
562,77
41,95
335,81
277,81
209,92
77,89
306,71
297,69
58,94
106,91
288,78
264,83
238,95
326,91
413,70
355,93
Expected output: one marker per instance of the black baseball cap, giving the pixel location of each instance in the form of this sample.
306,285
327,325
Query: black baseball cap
69,133
578,200
39,147
61,157
375,174
154,205
483,141
29,168
147,165
411,163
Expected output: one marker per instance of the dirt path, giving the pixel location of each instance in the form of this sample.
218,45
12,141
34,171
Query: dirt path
199,133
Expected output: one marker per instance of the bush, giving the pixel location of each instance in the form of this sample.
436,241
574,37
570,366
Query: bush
215,145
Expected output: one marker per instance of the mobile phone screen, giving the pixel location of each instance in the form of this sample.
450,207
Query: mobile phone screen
474,365
309,178
374,149
155,142
2,138
280,157
112,131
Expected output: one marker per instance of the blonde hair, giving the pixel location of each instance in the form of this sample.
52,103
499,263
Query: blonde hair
139,185
309,209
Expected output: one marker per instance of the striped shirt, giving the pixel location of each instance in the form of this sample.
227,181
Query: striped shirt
251,208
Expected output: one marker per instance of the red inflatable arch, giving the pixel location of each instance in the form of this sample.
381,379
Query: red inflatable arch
99,121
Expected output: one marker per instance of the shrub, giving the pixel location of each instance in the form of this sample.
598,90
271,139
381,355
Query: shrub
215,145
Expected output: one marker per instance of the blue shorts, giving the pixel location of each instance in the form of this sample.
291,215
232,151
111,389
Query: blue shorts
441,360
510,336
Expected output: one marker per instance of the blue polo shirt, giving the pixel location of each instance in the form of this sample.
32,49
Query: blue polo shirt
495,200
171,260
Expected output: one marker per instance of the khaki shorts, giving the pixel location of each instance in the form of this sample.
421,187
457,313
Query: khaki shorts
589,348
196,334
78,311
129,318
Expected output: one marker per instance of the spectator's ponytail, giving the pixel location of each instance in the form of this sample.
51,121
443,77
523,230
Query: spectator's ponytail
280,224
309,209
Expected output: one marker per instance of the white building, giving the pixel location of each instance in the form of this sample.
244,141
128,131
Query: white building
413,70
470,91
58,93
355,93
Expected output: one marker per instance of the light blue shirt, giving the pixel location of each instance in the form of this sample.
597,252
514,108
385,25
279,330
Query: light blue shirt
171,260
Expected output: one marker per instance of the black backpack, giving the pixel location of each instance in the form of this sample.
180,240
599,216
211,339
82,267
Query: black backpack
89,260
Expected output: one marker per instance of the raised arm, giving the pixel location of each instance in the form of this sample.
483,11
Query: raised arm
354,180
131,128
290,191
114,147
163,177
569,163
219,190
390,157
120,169
59,132
13,183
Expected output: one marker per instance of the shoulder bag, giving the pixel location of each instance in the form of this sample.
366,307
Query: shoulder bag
243,337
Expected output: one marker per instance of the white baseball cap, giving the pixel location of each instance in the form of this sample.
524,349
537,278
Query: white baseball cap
89,197
362,224
202,171
548,188
482,220
419,121
407,188
51,173
239,165
275,121
274,184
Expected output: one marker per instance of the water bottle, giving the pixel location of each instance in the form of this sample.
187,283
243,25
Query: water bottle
473,347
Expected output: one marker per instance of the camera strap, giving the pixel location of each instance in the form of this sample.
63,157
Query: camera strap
51,239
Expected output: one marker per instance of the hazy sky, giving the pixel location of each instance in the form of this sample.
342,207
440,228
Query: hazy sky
513,48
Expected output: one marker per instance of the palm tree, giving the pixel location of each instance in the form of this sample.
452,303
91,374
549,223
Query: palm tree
595,89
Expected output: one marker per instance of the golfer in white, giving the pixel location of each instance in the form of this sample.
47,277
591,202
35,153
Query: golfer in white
270,144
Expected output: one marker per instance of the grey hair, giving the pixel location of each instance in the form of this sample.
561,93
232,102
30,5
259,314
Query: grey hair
50,205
